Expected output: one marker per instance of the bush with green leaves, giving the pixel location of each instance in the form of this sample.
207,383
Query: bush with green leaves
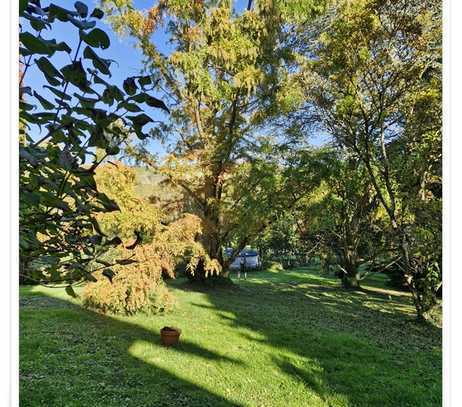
61,125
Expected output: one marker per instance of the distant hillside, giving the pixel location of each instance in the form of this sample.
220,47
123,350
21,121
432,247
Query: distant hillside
149,183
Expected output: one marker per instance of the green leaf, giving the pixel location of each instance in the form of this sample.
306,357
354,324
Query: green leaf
26,106
150,101
75,74
60,13
97,115
58,93
113,150
52,81
96,79
96,38
140,120
61,46
99,63
70,291
108,204
130,86
34,44
97,13
125,262
115,92
31,198
85,101
109,274
96,226
140,97
90,277
24,52
50,72
115,241
131,107
22,6
45,103
38,24
83,25
26,90
26,155
86,181
50,200
145,80
81,8
154,102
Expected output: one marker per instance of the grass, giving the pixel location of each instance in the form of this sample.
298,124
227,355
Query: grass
290,338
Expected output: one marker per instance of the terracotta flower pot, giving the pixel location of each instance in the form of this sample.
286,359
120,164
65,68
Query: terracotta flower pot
169,335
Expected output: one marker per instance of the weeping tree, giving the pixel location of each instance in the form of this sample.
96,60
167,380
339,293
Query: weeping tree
373,81
61,124
223,77
136,284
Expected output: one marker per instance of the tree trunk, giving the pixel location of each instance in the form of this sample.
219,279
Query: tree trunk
351,281
348,260
211,229
424,297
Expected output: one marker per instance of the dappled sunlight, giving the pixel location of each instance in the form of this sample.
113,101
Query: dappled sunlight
230,203
303,309
388,292
306,344
133,355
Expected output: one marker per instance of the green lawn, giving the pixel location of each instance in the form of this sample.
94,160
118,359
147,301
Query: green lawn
278,339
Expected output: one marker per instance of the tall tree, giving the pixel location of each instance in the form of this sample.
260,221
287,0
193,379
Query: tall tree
222,77
373,79
342,217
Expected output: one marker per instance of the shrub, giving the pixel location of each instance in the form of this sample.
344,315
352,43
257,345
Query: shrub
136,287
136,284
128,295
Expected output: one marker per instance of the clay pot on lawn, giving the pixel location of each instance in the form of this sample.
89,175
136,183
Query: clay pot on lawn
169,335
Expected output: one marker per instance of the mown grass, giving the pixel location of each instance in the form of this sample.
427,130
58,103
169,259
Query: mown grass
290,338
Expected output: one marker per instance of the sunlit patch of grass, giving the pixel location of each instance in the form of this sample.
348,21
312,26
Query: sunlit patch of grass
291,338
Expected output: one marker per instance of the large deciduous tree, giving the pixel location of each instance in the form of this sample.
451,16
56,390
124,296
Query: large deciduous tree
373,79
222,77
342,217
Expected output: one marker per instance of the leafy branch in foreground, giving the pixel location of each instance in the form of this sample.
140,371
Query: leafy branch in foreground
61,125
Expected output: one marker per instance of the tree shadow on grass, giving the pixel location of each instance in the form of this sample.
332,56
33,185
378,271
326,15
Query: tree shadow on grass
74,357
362,345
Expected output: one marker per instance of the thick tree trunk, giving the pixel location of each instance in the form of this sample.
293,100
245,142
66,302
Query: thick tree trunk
424,290
425,298
350,277
211,229
351,281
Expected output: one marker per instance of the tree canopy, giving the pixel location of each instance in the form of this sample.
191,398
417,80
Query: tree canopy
244,98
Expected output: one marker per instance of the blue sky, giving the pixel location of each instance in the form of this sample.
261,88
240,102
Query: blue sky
128,58
122,50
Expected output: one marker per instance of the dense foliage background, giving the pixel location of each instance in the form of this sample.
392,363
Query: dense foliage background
247,95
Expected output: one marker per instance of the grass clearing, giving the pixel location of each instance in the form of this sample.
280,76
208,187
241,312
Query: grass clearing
291,338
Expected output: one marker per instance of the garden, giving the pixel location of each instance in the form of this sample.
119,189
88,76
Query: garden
262,178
